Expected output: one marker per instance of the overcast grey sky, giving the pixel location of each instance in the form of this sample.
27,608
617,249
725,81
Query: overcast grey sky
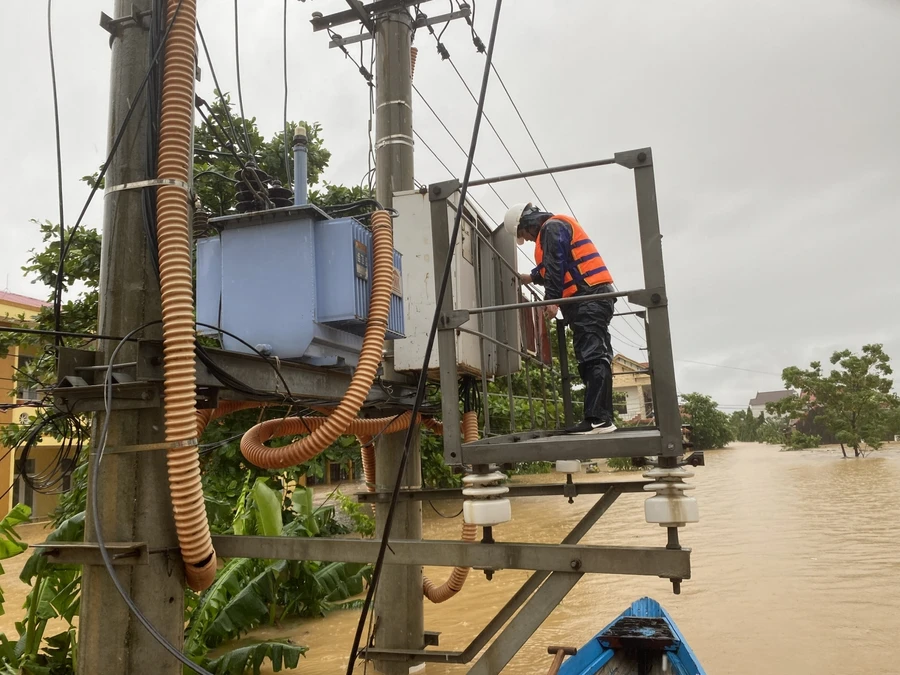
774,126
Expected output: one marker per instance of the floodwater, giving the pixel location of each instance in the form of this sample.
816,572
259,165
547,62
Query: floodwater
796,570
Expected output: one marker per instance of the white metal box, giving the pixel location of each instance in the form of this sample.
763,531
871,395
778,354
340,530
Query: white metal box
478,279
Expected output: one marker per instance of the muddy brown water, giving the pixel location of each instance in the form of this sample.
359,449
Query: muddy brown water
796,570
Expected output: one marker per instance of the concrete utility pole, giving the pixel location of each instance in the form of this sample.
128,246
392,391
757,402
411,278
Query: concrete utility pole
132,489
398,606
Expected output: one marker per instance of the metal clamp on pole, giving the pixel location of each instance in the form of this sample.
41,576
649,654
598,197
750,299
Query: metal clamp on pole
114,26
168,445
151,182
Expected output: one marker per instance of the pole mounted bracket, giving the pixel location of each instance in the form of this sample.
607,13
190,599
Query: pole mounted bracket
439,191
649,297
635,159
453,320
114,26
88,553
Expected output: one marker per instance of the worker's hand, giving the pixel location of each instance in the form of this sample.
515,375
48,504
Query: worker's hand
551,310
525,279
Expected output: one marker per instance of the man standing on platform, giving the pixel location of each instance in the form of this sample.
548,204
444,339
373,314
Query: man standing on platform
568,265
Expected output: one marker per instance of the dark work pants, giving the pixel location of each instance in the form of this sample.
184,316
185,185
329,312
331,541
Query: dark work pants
589,322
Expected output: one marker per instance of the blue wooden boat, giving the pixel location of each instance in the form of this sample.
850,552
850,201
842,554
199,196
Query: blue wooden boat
643,640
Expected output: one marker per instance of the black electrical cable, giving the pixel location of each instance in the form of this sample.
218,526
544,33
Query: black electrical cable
96,460
219,93
444,515
372,158
121,133
237,68
446,25
229,144
57,293
52,333
450,171
458,144
423,374
154,111
289,397
73,435
287,165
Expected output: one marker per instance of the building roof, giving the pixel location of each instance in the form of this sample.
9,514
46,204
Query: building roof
23,300
763,397
625,361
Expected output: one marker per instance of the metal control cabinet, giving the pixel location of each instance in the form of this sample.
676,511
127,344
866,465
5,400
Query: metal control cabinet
479,278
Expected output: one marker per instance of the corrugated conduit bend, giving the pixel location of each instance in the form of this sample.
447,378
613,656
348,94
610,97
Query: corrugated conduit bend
174,227
365,430
326,432
457,577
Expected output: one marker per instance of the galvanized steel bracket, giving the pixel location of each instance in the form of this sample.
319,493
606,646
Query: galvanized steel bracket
88,553
649,297
635,159
453,320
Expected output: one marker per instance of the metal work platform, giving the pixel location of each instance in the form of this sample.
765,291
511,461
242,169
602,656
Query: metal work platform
664,440
549,446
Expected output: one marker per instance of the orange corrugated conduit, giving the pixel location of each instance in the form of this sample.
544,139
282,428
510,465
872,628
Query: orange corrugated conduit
457,578
174,233
365,430
326,432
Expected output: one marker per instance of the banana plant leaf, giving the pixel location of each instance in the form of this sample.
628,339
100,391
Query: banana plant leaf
246,610
268,505
282,654
229,582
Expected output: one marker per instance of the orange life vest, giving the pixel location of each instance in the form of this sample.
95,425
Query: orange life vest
585,263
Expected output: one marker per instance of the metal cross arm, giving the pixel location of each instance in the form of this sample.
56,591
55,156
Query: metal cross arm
357,12
631,560
420,22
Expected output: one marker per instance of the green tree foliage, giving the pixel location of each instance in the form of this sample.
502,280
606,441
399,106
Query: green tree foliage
774,430
855,399
797,440
745,426
214,174
710,427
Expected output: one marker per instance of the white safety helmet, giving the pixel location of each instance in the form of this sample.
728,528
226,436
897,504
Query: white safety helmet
512,218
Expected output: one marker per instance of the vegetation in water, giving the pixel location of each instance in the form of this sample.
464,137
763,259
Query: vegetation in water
854,401
710,427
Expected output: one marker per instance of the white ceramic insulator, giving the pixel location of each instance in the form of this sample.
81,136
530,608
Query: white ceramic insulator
487,512
675,473
568,466
485,492
483,478
670,507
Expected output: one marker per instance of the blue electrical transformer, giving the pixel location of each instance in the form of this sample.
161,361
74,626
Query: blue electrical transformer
293,283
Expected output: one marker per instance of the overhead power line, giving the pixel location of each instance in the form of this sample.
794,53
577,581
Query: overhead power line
445,55
237,68
719,365
458,144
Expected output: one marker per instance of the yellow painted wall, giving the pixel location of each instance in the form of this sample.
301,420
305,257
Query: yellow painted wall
43,454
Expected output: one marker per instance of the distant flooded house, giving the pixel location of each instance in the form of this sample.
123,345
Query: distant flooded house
631,380
762,398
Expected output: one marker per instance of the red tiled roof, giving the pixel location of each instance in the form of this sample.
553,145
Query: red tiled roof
17,299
